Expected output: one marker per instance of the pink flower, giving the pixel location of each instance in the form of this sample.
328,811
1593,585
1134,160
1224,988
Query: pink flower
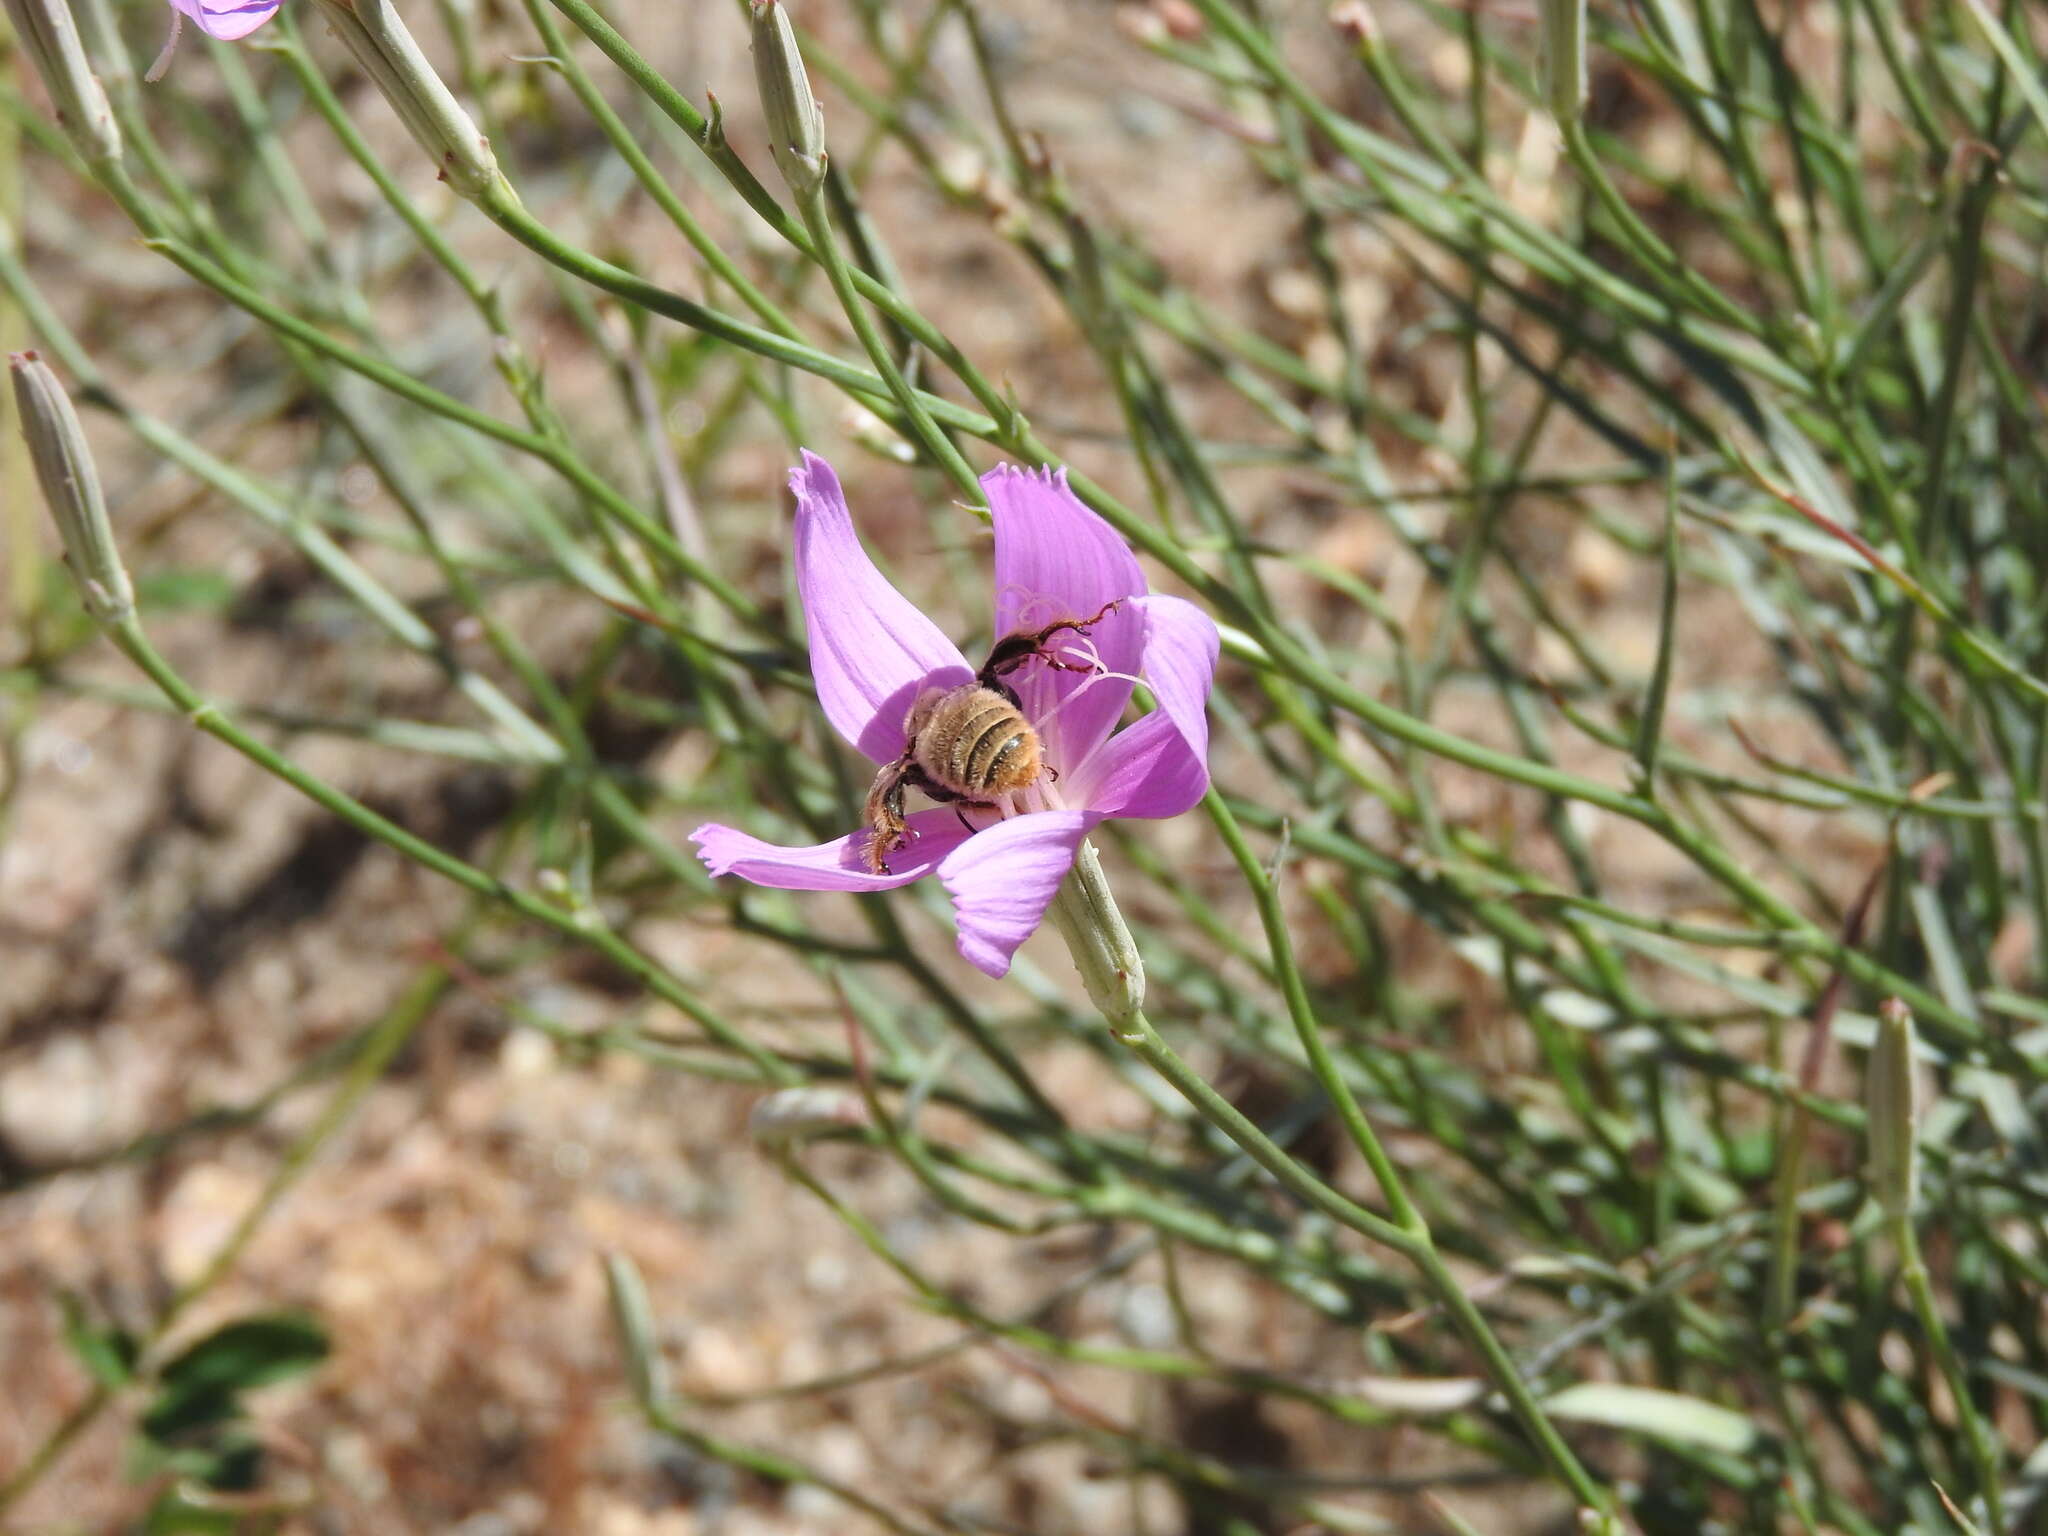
228,20
873,653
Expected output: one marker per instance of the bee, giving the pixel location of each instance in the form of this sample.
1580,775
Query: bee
968,745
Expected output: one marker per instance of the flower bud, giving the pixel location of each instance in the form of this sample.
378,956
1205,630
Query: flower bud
1353,19
1564,58
796,128
71,487
633,1317
1890,1109
1085,912
381,43
791,1115
49,36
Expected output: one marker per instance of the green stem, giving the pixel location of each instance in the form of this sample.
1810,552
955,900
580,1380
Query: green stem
1976,1434
378,1050
818,221
1413,1244
1266,894
580,924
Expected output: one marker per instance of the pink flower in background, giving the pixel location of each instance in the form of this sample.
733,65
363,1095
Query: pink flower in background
1062,572
226,19
222,19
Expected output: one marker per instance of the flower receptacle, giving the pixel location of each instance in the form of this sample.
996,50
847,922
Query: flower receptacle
1086,914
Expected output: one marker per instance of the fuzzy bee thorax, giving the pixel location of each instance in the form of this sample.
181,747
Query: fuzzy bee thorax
973,741
969,744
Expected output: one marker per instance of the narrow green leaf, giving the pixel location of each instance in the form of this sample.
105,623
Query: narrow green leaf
183,589
1450,1519
106,1352
633,1317
2024,72
1963,1522
175,1515
249,1352
1650,729
1656,1413
202,1387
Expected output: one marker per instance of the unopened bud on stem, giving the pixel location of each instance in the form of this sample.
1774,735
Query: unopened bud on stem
71,487
1890,1109
633,1317
1354,19
796,127
49,36
792,1115
1085,912
381,43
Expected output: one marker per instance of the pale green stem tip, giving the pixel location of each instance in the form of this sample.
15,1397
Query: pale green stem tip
71,487
796,126
373,31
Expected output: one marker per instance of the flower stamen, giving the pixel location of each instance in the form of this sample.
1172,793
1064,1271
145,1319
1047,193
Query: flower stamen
162,66
1099,671
1082,644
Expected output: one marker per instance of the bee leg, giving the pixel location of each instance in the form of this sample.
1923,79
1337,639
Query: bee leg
962,805
884,814
1012,651
915,777
885,807
1079,627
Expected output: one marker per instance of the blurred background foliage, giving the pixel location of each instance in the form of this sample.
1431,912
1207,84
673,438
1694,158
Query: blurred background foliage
1629,523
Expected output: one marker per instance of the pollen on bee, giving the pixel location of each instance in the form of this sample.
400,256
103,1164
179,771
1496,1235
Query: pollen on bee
972,745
